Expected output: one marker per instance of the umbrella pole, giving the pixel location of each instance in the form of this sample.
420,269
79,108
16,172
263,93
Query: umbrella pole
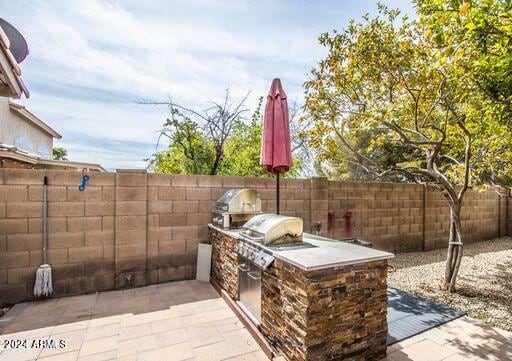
277,192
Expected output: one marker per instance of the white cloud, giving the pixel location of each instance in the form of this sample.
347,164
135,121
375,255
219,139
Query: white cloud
89,60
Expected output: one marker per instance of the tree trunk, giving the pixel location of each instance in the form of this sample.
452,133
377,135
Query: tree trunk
455,249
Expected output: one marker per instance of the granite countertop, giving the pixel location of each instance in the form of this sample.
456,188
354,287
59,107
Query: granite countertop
319,252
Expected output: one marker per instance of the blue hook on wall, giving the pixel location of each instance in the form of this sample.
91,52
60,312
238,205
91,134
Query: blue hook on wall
85,178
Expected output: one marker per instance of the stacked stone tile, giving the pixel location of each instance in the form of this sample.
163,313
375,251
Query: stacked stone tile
332,314
224,262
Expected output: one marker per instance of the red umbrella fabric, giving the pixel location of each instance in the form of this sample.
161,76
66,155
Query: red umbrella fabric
276,153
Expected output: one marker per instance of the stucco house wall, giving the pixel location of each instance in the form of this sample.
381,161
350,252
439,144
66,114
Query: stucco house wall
13,125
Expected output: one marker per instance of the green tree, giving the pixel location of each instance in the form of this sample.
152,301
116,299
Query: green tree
386,77
59,153
192,149
475,37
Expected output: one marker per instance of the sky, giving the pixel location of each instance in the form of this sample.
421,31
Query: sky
91,62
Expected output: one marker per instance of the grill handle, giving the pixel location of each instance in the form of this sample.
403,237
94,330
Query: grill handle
250,274
253,238
242,268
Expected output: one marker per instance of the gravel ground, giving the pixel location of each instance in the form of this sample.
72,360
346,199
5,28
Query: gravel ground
484,285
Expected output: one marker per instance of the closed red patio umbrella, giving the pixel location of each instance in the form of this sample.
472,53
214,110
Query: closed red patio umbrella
276,152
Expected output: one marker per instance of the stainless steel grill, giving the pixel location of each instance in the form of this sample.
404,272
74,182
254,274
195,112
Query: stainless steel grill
235,207
273,229
257,233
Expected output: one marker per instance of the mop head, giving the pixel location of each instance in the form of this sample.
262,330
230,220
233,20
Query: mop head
43,285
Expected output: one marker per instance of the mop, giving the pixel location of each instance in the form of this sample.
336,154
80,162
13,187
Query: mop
43,285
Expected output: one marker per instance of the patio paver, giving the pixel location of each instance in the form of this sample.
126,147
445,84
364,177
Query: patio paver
463,339
180,321
189,321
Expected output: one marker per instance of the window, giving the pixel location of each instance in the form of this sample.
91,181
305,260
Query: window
22,142
43,151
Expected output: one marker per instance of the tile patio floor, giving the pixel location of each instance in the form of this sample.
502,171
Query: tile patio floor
189,321
173,321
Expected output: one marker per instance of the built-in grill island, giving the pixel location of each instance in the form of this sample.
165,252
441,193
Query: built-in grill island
312,298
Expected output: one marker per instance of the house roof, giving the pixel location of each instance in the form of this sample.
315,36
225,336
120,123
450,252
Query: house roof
21,111
11,84
15,154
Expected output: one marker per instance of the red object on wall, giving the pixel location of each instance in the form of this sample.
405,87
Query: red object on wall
348,224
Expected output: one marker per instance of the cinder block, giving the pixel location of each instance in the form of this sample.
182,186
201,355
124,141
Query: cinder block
185,232
21,275
66,240
170,247
36,257
157,179
88,194
99,238
3,277
24,177
24,242
14,259
198,219
131,208
3,209
185,258
56,224
130,223
204,207
173,219
99,208
13,294
83,254
198,193
108,251
160,207
108,194
133,250
159,234
24,209
253,182
191,245
188,206
68,271
13,193
209,181
108,223
171,274
13,226
102,179
58,256
130,236
171,193
131,179
62,177
131,194
233,182
184,180
152,193
56,209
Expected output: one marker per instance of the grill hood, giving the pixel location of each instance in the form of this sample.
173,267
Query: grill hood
271,228
238,201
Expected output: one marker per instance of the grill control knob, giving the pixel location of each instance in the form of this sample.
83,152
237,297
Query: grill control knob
252,256
262,261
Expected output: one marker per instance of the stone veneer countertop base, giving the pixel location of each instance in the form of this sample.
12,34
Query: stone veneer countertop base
319,252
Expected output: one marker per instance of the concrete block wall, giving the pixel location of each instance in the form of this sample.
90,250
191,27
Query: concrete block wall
388,214
410,217
131,228
80,226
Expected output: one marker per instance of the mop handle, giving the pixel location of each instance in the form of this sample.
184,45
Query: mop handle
45,220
